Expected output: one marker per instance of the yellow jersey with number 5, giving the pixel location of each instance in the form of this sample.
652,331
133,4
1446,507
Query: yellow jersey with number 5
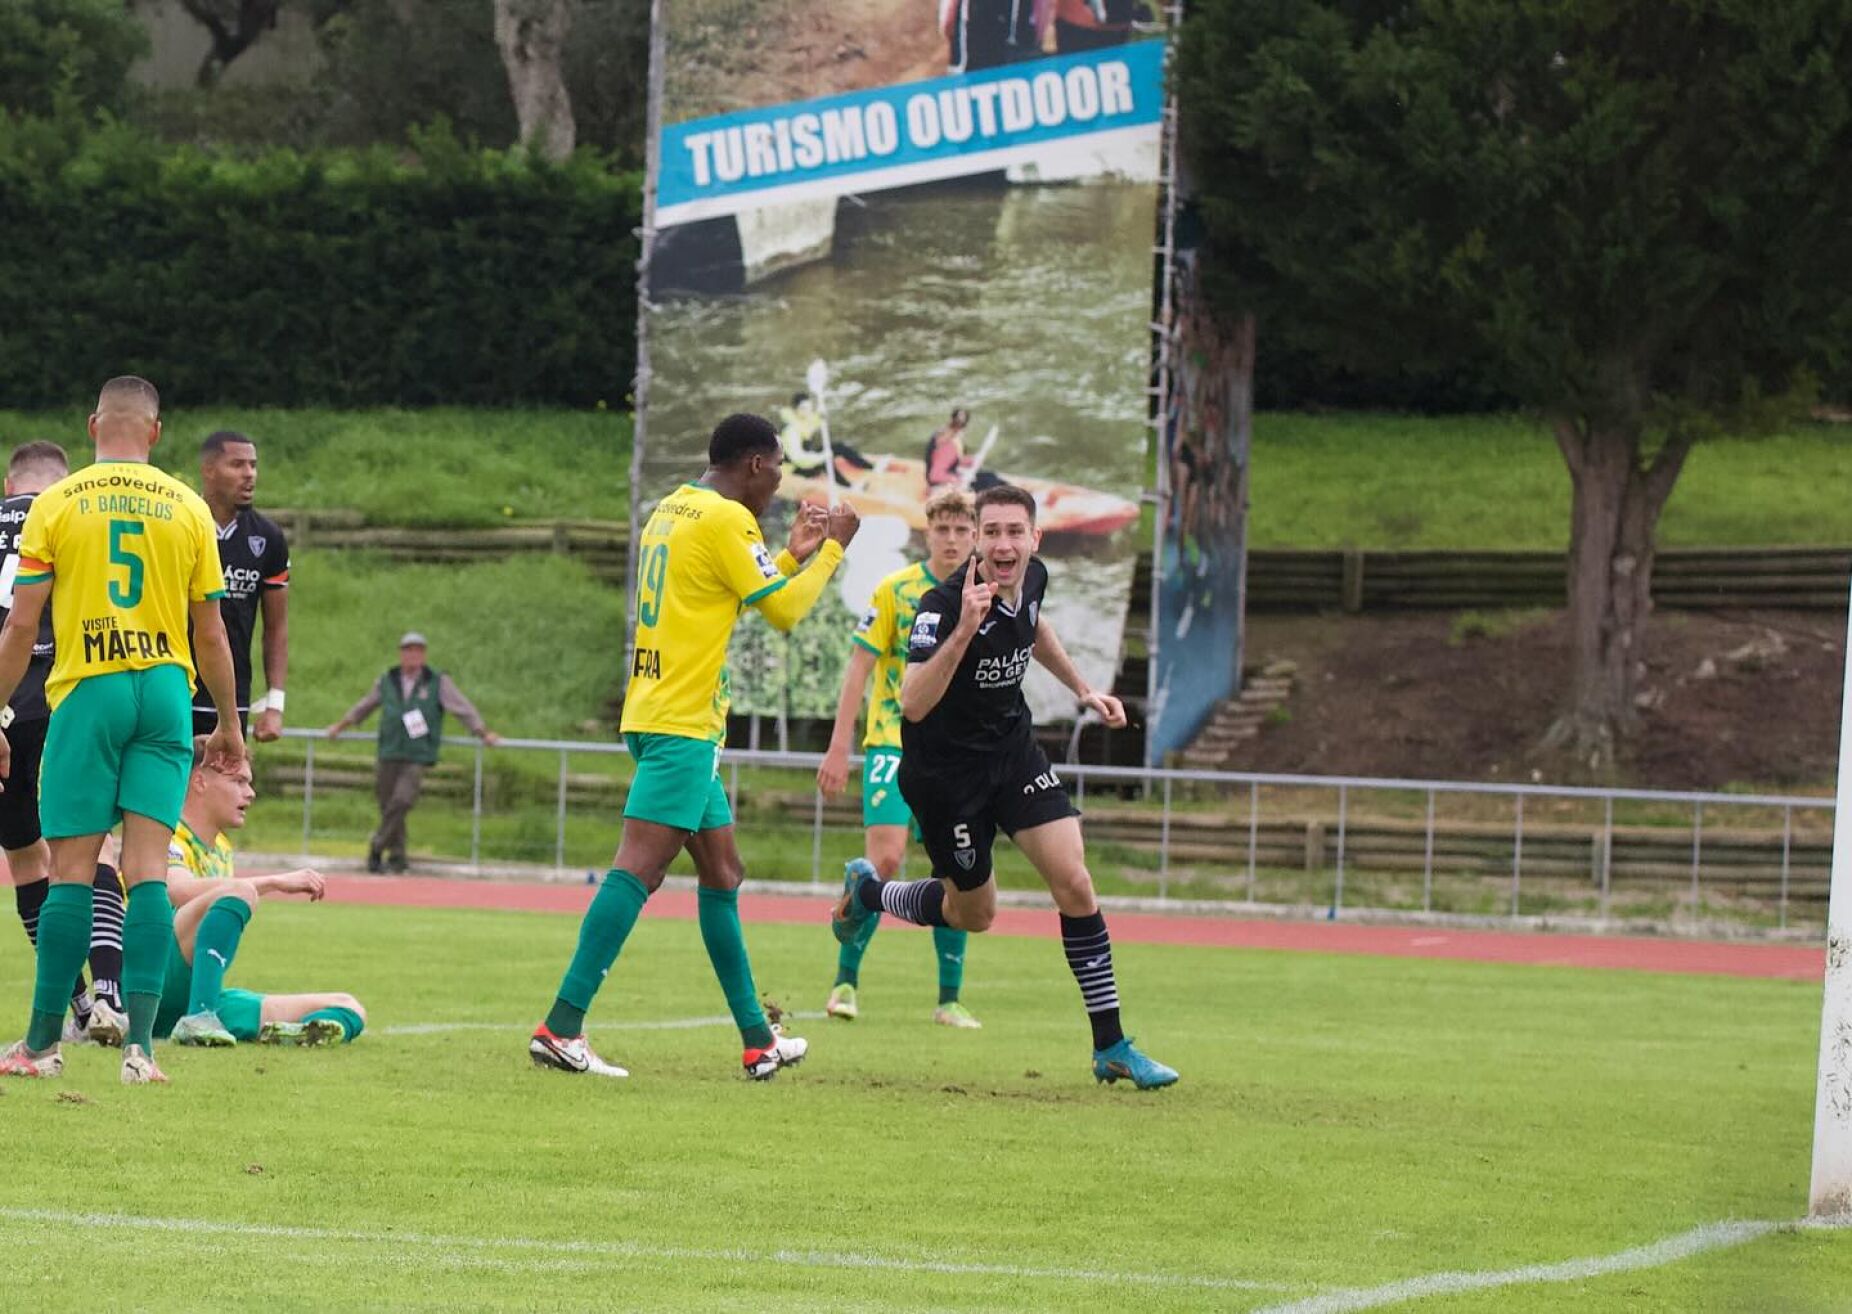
126,548
701,559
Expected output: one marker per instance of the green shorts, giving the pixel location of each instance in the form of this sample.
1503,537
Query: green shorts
882,804
242,1011
677,783
117,743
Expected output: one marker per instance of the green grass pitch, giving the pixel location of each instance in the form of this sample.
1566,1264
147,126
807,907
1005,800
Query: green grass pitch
1342,1123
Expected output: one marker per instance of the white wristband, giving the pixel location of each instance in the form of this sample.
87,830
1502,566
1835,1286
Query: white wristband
273,701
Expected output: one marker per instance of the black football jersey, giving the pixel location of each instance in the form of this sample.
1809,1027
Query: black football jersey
255,557
29,699
983,709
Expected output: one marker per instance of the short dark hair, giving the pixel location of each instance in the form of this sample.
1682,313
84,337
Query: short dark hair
38,456
799,398
219,439
739,436
1006,495
960,415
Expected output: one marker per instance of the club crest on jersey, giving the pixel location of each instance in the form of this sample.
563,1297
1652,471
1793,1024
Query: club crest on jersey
257,543
926,629
967,858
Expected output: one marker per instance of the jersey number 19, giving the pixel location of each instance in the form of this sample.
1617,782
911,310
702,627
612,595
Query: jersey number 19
653,570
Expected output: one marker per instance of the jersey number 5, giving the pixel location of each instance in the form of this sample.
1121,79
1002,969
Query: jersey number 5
652,571
125,593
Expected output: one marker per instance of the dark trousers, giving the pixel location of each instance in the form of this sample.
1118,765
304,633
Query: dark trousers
397,785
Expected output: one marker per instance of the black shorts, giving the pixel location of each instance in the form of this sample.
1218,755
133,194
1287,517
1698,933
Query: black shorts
206,720
19,802
960,807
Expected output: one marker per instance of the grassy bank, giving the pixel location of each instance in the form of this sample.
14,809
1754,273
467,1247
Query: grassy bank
1489,481
536,642
447,466
1383,481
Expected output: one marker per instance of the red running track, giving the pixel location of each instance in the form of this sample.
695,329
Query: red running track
1634,953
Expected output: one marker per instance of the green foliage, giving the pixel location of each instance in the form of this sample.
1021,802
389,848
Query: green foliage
67,55
1342,1122
467,277
1625,209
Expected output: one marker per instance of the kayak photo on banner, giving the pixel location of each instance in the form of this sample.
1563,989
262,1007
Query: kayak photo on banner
917,235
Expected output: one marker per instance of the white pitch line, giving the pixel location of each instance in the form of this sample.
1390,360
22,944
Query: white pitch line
664,1024
1712,1236
460,1249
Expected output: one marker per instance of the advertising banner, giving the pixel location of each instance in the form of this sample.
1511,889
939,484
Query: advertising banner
922,232
1201,563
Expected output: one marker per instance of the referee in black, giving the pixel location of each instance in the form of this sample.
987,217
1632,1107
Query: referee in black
970,766
255,557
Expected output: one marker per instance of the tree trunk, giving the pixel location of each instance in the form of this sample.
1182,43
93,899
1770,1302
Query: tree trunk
1617,502
532,38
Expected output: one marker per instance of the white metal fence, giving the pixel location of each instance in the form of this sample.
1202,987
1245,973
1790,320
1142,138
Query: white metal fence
1341,844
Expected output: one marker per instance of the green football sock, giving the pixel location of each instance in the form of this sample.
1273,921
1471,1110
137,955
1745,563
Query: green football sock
213,949
948,943
147,935
849,962
351,1022
726,950
64,943
602,934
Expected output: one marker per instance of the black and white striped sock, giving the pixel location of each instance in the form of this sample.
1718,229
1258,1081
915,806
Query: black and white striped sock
1089,957
919,902
106,938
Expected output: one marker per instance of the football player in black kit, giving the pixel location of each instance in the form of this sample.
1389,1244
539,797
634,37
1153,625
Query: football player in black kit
255,558
32,469
970,766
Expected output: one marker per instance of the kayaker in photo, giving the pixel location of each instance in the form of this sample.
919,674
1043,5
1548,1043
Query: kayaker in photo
946,462
803,426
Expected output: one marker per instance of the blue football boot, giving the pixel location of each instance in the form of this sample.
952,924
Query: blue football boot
852,923
1121,1061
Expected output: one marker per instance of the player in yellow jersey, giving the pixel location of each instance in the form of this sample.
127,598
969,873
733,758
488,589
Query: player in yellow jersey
700,562
133,555
212,907
881,650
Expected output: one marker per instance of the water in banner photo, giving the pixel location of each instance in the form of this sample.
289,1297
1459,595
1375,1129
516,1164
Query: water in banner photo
922,231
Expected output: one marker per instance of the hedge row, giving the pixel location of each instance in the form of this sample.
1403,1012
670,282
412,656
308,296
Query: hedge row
438,274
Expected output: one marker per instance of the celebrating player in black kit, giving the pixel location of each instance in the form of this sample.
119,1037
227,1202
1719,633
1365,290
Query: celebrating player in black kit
255,558
970,765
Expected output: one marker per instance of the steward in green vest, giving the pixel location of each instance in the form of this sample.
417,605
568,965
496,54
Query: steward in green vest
411,699
404,737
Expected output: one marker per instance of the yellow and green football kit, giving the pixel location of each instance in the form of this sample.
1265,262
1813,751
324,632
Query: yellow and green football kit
242,1011
127,549
884,631
700,561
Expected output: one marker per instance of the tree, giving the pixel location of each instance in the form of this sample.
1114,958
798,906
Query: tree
1637,211
59,52
531,35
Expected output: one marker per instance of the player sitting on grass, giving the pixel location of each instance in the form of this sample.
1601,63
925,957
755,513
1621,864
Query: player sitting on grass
970,766
881,650
212,908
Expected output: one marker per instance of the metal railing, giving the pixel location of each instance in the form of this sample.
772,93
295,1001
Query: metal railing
1338,844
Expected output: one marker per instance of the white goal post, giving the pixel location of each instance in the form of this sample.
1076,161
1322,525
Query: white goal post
1831,1196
